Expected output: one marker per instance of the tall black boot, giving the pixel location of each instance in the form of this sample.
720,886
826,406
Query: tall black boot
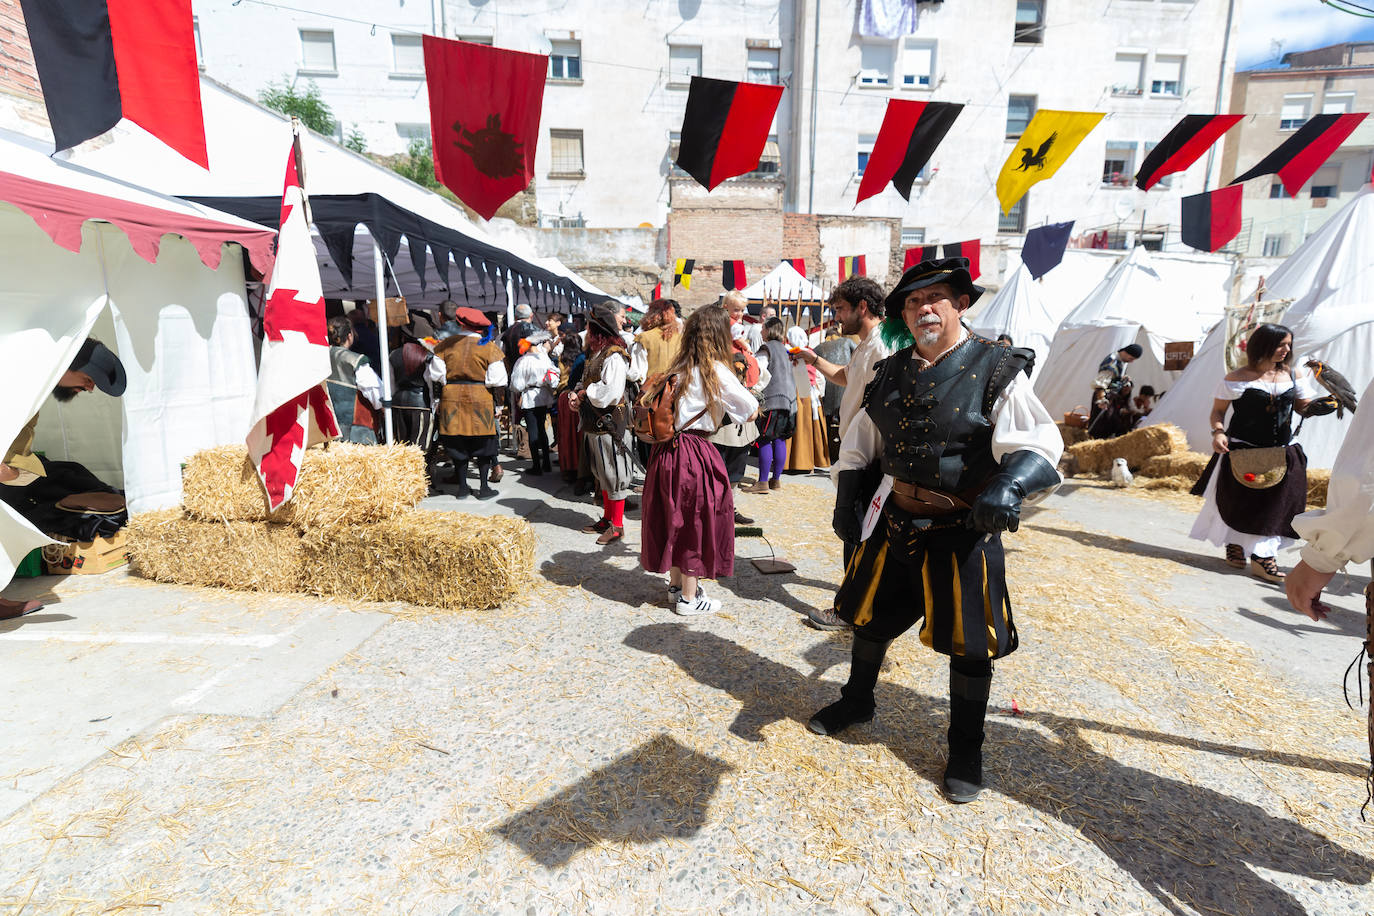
968,706
547,462
484,491
460,477
536,461
856,697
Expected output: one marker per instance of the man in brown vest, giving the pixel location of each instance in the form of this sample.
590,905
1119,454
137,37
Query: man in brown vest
467,410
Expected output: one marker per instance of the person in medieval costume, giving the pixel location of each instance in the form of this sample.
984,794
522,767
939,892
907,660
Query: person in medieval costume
1111,399
64,498
807,451
414,373
355,391
962,443
778,417
534,381
602,404
1256,481
467,410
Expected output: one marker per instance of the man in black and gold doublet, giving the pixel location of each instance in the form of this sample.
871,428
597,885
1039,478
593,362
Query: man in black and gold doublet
952,422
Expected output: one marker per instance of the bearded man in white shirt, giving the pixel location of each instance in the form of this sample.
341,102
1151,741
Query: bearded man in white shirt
962,442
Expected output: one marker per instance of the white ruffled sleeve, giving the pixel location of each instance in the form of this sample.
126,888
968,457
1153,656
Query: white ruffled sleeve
1343,532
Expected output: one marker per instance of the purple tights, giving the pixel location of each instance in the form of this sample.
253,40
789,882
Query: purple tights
772,456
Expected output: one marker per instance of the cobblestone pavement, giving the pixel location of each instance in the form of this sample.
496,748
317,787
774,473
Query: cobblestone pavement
1169,738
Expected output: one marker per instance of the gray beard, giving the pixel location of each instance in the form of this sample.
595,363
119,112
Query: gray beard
928,337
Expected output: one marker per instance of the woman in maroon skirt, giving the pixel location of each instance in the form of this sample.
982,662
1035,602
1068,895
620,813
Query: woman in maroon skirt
688,527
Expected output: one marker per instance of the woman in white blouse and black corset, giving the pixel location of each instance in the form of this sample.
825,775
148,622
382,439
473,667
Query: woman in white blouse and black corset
688,528
1249,508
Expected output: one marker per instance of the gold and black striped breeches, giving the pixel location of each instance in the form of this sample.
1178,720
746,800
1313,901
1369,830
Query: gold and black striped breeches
952,580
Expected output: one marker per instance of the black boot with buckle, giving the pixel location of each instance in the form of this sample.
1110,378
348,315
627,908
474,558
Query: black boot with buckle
856,697
968,706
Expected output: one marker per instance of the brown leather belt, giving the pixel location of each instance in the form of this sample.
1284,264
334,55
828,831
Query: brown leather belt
923,502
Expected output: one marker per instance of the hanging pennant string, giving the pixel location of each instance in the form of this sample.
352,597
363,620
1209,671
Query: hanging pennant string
848,91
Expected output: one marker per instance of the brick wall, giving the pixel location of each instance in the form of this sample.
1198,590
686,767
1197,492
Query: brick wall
18,76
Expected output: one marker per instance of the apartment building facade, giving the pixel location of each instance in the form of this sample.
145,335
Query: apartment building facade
1338,79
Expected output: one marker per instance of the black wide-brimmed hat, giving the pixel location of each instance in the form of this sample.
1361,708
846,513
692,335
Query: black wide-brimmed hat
99,362
953,271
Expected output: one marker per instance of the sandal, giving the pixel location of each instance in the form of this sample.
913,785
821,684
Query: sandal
1235,556
1265,568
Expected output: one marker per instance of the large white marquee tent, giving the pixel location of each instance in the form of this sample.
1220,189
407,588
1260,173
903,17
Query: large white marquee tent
1330,279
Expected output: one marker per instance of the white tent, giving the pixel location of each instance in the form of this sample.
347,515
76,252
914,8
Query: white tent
783,284
1149,300
1330,279
177,316
1019,310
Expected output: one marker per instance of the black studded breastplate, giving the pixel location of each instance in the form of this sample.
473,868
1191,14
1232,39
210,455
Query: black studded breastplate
935,421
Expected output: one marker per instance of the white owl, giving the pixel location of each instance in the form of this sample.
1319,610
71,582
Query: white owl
1121,475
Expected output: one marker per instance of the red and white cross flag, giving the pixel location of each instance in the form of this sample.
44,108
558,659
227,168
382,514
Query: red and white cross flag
292,410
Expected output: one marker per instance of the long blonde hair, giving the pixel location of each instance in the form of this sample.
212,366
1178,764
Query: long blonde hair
705,342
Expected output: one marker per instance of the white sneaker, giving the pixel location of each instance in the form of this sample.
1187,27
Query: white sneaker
697,606
675,592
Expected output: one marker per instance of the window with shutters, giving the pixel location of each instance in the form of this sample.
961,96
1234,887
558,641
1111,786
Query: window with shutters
1020,110
918,64
1167,77
1030,22
317,51
565,60
763,66
1168,180
684,62
1128,74
1118,168
412,130
1326,183
875,64
1338,103
1015,221
913,235
770,161
1277,191
866,142
200,51
1275,246
477,39
407,56
1295,112
565,154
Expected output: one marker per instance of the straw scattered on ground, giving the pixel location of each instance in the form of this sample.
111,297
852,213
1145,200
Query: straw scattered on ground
339,484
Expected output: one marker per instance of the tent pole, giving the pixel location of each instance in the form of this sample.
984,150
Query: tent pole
383,335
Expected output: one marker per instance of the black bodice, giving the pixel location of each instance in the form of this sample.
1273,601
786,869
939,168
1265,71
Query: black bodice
1262,420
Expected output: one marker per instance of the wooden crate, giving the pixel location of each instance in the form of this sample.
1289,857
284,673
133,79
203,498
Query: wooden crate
85,558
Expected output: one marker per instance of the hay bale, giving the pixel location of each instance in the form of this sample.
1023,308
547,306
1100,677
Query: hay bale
1096,455
1175,464
169,546
1175,482
447,560
339,485
1072,435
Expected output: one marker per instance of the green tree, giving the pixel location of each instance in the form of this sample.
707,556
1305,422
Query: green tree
305,104
418,163
356,140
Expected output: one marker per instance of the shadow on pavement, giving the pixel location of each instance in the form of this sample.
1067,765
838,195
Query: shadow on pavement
660,790
1185,844
1339,621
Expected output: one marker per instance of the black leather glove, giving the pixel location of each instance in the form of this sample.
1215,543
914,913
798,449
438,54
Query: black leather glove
998,507
1321,407
848,522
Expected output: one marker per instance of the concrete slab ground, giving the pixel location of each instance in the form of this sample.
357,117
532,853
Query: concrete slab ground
1167,739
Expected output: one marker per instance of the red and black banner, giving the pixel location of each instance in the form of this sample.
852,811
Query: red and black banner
910,133
1212,219
732,275
484,106
1298,158
798,264
658,291
969,249
725,128
102,60
1182,146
